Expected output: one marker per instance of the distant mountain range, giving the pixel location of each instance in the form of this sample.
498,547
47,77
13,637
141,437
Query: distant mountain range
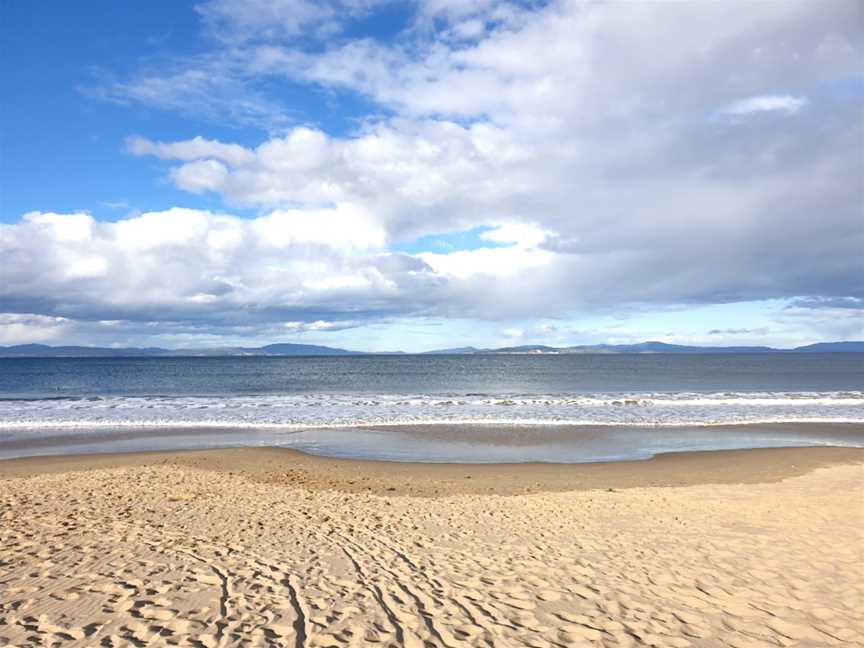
45,351
662,347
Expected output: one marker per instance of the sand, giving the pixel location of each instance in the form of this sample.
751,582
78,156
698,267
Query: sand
268,547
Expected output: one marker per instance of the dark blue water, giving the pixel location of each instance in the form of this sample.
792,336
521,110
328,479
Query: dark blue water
434,408
485,374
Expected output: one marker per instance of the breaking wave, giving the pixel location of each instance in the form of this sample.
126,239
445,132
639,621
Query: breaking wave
327,410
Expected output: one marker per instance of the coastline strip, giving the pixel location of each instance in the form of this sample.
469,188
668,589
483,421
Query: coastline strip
296,469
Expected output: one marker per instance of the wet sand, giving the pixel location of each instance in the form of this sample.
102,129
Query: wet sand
296,469
267,547
441,442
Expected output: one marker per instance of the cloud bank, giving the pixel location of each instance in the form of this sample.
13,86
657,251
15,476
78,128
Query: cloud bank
620,154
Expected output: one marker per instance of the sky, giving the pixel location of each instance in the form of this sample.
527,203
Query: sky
381,175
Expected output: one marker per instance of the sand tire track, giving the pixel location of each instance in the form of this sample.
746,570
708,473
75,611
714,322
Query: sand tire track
300,623
379,597
422,612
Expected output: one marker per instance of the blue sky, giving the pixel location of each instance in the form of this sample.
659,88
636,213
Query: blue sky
381,175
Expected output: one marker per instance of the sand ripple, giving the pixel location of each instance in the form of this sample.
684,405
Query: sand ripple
174,556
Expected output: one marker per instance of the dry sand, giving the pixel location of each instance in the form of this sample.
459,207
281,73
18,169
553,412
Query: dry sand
268,547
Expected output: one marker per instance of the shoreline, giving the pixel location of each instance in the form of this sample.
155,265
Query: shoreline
442,443
293,468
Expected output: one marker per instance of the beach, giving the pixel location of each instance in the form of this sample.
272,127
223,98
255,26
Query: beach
432,324
259,547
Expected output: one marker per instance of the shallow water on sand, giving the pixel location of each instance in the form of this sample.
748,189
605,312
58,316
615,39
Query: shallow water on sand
447,443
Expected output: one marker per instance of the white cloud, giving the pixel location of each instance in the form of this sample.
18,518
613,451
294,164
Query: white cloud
233,20
69,228
175,227
513,333
540,333
243,20
401,175
520,234
195,149
183,264
207,88
200,176
87,267
491,262
317,325
344,226
594,155
27,328
578,61
766,103
823,322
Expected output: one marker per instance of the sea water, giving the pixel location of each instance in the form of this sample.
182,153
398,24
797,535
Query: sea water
566,408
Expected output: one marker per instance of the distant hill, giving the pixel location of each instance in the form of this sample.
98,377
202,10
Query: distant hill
832,347
302,349
527,348
662,347
298,350
454,351
45,351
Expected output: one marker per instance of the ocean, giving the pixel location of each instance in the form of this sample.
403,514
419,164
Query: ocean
474,408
